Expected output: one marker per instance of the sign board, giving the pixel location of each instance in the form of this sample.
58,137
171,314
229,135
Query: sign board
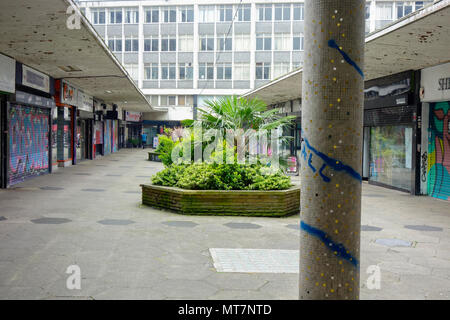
133,116
155,142
85,102
35,79
7,74
32,99
69,94
435,82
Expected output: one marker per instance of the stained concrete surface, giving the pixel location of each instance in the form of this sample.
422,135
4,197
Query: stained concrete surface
154,259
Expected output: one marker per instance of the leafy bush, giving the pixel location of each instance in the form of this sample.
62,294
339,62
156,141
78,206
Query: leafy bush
213,176
165,146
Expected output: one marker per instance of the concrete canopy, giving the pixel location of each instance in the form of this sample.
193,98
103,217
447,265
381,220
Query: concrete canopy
36,34
417,41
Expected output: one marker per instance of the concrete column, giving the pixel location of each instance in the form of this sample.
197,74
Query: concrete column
332,118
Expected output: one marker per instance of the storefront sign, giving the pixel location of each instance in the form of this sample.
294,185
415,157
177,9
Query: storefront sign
133,116
32,99
86,102
435,82
35,79
69,94
7,74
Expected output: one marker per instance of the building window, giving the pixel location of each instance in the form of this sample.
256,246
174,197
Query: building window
131,16
115,16
151,71
115,44
241,71
280,69
168,71
263,71
207,43
225,13
263,42
283,41
264,12
367,11
223,71
131,44
186,14
133,70
206,71
185,100
419,5
152,15
404,8
206,13
241,42
168,100
282,12
299,11
244,12
298,42
172,100
151,44
98,16
186,71
169,14
384,14
224,43
168,44
186,43
153,99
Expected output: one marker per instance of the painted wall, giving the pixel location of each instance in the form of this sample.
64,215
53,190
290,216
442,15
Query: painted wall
107,136
28,143
115,136
438,171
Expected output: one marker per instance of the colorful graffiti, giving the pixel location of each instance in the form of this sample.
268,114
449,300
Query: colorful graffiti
28,142
115,136
439,151
107,137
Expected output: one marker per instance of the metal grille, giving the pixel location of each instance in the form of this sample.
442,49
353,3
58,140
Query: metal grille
389,116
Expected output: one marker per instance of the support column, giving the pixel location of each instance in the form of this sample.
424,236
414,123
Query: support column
331,157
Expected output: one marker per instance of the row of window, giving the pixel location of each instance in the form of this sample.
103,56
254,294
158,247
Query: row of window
281,42
209,71
168,100
387,10
210,13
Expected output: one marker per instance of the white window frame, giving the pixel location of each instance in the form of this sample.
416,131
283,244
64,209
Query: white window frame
284,15
285,40
241,71
185,10
151,67
151,10
188,71
131,16
185,43
115,11
301,8
134,44
207,38
206,13
241,41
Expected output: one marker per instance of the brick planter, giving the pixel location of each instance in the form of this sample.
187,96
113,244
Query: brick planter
276,203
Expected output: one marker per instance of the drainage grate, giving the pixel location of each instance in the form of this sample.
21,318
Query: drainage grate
115,222
237,225
93,190
423,228
51,220
51,188
394,242
255,260
180,224
370,228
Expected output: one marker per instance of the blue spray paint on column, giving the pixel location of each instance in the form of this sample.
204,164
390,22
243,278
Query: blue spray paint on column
332,44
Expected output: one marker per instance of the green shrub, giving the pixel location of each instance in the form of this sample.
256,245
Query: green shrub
204,176
165,147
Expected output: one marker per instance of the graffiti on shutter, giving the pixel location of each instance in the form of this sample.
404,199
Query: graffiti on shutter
28,143
439,151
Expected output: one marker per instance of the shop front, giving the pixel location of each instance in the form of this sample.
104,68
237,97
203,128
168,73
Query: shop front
435,153
389,132
152,128
134,128
26,127
84,127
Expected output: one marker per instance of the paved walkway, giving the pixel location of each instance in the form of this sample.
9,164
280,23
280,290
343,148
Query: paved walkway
90,215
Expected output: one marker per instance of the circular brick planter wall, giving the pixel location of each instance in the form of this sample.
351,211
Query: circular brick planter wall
276,203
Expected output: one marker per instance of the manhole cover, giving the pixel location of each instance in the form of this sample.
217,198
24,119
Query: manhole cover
394,242
93,190
51,188
293,226
115,222
182,224
2,218
51,220
423,228
238,225
370,228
